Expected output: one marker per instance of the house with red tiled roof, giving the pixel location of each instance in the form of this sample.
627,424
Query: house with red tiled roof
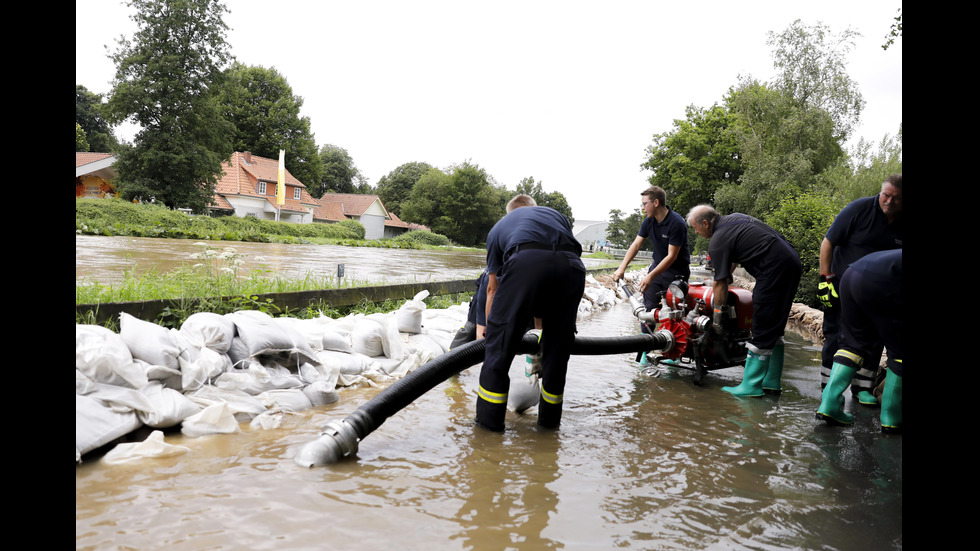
94,174
248,188
366,209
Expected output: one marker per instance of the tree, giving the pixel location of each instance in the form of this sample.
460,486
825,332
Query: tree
555,199
266,114
462,204
88,115
812,64
696,158
166,81
782,146
81,144
894,32
339,172
395,187
621,232
803,221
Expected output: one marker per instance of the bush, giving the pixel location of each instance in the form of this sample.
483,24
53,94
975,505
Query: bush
803,220
423,237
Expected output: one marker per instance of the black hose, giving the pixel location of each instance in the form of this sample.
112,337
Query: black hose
340,439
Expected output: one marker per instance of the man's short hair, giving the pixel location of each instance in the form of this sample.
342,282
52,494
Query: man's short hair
654,192
700,213
520,201
895,180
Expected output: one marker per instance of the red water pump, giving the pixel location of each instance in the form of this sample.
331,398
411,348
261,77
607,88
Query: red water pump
685,314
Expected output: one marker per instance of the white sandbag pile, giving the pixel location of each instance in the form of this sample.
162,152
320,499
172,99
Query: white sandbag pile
218,371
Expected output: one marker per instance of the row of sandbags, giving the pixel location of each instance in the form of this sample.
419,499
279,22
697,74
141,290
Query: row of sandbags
217,371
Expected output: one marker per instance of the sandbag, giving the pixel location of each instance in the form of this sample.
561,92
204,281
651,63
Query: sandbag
209,330
409,315
261,335
216,419
245,406
292,400
97,425
150,342
103,356
168,407
153,446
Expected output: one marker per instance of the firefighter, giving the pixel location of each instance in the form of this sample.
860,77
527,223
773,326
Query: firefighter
864,226
775,265
534,270
871,313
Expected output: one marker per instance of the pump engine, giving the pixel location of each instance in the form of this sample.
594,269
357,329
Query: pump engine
685,314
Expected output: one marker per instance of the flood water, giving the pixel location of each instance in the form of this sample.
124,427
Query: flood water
106,259
641,461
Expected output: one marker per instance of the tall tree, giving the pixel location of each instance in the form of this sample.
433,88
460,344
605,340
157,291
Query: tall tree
395,187
621,231
555,199
462,205
812,69
266,114
89,115
695,158
166,81
340,175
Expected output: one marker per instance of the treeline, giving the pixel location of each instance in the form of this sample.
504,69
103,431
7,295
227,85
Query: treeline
775,150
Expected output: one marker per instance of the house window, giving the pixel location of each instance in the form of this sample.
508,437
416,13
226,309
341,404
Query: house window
296,193
261,188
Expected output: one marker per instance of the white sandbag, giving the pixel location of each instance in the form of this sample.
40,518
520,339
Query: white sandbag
168,407
292,399
153,446
321,393
261,335
149,342
97,425
428,343
268,420
245,406
332,339
216,419
312,329
256,379
120,398
206,364
409,315
319,373
345,364
103,356
170,378
209,330
376,335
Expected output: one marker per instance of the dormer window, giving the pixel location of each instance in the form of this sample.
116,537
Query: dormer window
296,193
262,188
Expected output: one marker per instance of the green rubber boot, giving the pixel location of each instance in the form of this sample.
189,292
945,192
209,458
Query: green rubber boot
772,384
830,409
891,403
755,370
865,398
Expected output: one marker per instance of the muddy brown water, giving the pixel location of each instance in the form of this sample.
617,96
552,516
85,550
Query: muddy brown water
643,460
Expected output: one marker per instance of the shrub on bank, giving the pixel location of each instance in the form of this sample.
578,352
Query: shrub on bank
423,237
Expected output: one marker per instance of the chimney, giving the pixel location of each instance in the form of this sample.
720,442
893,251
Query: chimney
248,157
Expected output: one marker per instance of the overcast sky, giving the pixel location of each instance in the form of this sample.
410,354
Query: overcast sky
568,92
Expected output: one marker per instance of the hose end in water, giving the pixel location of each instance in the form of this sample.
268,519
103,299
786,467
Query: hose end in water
338,439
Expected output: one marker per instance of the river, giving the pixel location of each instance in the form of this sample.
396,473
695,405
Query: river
641,461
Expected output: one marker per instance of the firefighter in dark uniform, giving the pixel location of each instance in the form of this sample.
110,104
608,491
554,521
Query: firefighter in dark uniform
775,265
864,226
535,271
871,313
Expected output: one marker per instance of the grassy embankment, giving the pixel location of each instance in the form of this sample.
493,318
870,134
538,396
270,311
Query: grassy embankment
214,272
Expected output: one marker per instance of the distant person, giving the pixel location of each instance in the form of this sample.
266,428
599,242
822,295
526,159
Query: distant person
775,265
534,270
864,226
668,237
870,314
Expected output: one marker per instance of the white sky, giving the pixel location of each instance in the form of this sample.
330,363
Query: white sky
569,92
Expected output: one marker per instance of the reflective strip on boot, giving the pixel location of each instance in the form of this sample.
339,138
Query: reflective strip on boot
551,398
492,397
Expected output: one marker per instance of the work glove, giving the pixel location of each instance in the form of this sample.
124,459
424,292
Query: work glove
827,291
